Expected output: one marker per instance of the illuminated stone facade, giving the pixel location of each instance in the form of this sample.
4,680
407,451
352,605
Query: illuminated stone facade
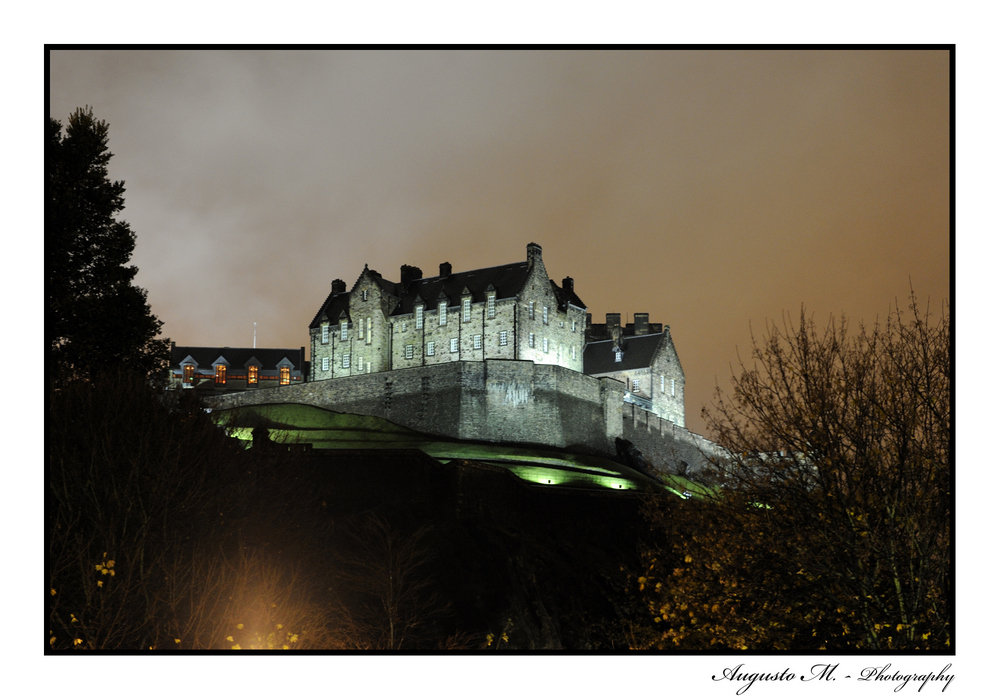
508,312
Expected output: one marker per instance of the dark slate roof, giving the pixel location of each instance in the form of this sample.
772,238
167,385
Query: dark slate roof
506,280
637,352
565,297
238,357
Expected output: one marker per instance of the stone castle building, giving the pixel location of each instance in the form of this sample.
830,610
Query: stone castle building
500,354
507,312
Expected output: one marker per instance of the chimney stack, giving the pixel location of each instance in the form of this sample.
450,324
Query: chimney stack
641,324
534,253
445,269
408,273
568,284
338,286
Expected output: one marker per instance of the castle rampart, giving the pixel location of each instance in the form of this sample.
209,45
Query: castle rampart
493,401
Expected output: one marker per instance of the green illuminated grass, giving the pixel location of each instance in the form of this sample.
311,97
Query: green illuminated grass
329,430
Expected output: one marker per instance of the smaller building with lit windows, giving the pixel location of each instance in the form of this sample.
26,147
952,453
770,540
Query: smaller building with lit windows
223,370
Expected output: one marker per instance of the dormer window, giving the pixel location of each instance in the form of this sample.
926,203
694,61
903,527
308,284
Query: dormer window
188,375
252,374
442,313
418,316
618,355
531,310
343,330
364,295
466,310
220,375
325,333
491,306
545,314
284,376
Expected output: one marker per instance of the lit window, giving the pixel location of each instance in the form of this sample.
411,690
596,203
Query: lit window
345,360
635,385
284,376
491,306
188,375
531,309
409,352
503,337
442,313
361,364
430,347
454,345
252,374
477,342
545,314
466,310
326,333
326,364
418,315
531,340
368,341
343,330
545,344
220,375
618,355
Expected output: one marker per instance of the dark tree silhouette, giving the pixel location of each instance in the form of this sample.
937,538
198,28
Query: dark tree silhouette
833,526
97,319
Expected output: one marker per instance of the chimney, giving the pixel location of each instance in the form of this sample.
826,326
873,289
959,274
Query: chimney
568,284
338,286
408,273
641,324
614,321
534,253
445,269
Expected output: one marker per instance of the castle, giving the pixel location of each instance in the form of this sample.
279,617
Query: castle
502,354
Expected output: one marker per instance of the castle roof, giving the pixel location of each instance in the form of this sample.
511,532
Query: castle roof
637,353
506,280
268,358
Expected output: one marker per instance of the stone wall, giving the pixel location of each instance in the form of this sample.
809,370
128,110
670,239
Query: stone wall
494,401
667,446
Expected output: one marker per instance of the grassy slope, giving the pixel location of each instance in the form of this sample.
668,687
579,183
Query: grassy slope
325,429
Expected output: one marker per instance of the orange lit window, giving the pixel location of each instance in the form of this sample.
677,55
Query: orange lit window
285,376
220,375
188,374
252,375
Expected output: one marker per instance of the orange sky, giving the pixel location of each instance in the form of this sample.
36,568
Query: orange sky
714,190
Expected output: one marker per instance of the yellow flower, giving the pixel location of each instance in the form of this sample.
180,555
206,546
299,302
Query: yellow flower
279,627
112,572
239,626
77,641
236,646
111,563
99,567
229,638
104,571
100,583
53,591
177,641
52,640
283,646
294,638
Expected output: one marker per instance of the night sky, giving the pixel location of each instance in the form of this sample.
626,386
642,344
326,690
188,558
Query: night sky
715,190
